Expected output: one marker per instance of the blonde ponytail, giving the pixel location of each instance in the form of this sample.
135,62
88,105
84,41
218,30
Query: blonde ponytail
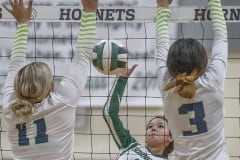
22,109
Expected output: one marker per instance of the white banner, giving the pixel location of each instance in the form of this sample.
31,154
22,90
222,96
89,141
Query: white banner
125,14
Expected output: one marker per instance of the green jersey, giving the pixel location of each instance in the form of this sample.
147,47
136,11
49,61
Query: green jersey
130,149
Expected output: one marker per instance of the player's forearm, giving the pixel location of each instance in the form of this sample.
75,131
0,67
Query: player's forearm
86,36
162,42
18,53
163,14
18,56
218,20
78,71
162,33
111,110
218,63
116,96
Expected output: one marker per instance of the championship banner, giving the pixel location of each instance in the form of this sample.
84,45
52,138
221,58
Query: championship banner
123,14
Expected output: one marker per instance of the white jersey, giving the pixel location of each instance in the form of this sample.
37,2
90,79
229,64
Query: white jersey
197,124
136,151
50,136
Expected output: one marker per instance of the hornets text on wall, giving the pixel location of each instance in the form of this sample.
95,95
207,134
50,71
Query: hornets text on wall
102,14
230,14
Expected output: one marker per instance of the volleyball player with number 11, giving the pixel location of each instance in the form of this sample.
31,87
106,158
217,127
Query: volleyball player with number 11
40,116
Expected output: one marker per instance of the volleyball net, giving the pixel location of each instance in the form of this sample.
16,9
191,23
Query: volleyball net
52,39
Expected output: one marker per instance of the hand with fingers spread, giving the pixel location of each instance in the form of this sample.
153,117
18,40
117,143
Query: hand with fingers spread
90,5
164,3
19,11
126,72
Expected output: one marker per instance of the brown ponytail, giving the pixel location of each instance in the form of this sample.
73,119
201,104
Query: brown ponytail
184,84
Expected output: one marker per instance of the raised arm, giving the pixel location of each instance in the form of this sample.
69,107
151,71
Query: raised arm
18,53
73,83
162,39
121,136
218,63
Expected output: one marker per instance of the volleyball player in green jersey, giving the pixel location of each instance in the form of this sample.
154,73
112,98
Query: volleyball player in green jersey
159,142
40,116
192,89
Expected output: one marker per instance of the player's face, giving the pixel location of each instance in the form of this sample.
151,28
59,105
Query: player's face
157,133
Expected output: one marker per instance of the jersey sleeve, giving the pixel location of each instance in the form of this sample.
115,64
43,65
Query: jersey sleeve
162,44
216,70
120,135
17,60
72,85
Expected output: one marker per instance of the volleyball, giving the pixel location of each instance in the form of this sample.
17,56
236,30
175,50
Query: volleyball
109,56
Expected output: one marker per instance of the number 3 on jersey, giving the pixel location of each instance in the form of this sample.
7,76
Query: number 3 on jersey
41,136
197,120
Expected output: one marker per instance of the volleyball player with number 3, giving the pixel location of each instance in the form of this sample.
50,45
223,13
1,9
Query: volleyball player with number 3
40,116
192,89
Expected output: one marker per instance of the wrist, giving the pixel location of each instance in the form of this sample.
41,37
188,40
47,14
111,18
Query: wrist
123,78
22,24
90,10
22,21
163,5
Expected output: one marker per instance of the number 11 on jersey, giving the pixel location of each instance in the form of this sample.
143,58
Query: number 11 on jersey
41,136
